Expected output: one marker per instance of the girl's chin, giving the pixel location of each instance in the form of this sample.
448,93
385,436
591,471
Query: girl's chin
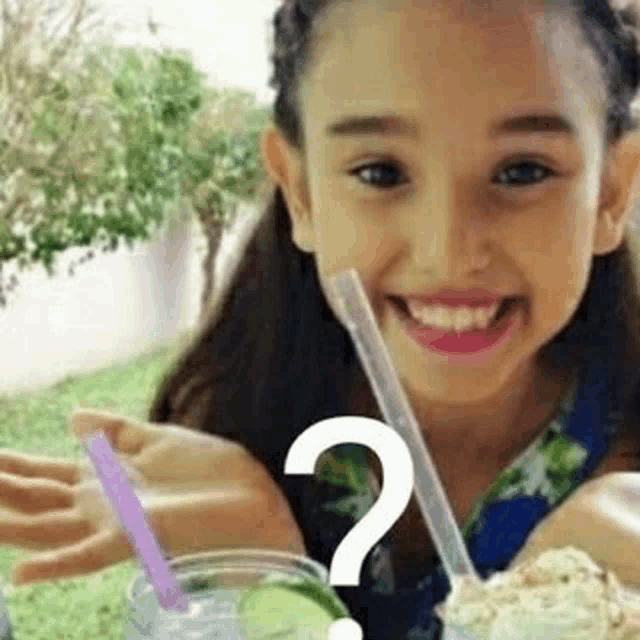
442,384
450,390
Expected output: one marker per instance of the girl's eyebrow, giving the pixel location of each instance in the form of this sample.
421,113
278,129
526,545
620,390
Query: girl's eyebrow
390,125
551,123
383,125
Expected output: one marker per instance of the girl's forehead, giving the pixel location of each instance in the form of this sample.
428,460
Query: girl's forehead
450,62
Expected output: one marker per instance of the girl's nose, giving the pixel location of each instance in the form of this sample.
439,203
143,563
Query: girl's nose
450,245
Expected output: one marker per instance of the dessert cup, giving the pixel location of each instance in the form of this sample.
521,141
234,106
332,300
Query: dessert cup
451,632
560,595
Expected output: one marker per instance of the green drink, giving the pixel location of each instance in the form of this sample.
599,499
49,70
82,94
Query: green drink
245,594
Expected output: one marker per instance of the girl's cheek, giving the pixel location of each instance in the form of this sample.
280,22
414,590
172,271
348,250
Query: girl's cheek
352,243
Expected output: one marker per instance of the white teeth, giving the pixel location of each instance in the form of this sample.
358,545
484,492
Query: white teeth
456,319
463,319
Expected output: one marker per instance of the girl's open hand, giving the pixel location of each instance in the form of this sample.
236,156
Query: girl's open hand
602,518
200,492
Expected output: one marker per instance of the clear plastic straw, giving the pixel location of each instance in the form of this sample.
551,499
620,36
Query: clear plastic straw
430,493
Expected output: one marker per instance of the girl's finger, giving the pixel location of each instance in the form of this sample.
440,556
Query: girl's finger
34,495
125,436
101,550
50,531
33,466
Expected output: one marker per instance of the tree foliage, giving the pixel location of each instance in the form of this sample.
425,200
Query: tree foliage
223,150
223,168
97,143
97,168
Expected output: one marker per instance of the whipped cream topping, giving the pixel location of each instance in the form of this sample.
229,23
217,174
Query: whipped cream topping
560,595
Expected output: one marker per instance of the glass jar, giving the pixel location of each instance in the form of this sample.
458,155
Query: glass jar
243,594
5,626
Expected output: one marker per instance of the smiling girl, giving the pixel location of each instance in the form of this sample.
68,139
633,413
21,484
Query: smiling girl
476,163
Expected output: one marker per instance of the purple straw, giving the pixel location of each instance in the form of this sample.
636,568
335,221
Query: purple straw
132,517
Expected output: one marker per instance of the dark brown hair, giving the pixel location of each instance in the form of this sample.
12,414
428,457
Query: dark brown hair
272,358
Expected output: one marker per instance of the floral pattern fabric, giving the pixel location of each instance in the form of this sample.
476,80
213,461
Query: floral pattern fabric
344,488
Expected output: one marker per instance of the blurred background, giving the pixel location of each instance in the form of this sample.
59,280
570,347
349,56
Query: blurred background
101,307
129,172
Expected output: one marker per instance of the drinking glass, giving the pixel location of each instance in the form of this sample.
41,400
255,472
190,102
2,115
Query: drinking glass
5,626
240,594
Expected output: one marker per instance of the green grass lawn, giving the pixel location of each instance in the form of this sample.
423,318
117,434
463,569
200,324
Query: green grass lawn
92,607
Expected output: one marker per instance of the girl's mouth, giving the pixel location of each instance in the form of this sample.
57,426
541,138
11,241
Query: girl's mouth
506,307
471,342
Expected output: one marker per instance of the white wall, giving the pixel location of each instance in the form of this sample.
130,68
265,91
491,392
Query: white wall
116,306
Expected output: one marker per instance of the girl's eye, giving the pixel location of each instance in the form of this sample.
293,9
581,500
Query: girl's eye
385,175
380,175
523,174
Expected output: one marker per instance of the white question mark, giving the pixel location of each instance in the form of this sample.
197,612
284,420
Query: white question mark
398,477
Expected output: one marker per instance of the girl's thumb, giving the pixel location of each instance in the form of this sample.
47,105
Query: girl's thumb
124,435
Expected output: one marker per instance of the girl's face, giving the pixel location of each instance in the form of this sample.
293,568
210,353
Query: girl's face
455,163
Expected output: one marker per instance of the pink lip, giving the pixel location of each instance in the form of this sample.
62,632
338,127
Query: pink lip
472,348
453,298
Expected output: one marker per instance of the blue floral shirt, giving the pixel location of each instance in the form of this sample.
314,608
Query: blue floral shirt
344,488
